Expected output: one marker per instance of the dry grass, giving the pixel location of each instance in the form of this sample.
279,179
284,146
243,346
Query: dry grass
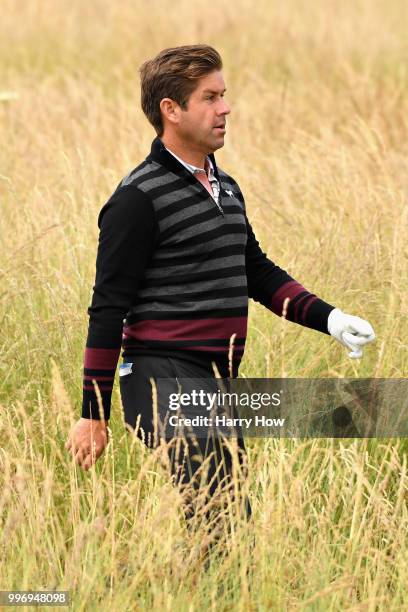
318,140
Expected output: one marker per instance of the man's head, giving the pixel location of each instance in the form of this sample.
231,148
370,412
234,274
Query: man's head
182,95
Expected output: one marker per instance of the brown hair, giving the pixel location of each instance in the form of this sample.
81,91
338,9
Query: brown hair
174,73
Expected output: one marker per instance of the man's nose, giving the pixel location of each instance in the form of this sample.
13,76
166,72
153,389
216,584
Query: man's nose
225,108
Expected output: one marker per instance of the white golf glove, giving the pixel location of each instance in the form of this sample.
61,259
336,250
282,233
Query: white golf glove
351,331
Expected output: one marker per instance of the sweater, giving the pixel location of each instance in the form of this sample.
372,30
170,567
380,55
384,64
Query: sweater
174,273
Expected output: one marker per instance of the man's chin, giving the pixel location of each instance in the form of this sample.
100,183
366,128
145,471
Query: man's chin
214,145
218,143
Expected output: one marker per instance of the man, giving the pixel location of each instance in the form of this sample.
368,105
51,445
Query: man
178,259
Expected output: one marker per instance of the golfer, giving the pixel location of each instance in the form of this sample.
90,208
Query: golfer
177,262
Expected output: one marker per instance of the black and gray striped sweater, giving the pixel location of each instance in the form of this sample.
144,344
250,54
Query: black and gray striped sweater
174,274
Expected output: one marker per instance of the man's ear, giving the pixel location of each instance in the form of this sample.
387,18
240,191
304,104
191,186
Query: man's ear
170,110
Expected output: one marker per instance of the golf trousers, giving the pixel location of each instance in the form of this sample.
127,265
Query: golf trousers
208,468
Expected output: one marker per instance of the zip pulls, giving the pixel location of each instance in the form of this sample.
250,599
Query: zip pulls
216,189
219,207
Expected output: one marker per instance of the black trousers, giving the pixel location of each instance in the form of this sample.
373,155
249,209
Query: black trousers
208,468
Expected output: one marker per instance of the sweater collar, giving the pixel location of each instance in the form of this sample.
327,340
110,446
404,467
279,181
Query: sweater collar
162,156
208,166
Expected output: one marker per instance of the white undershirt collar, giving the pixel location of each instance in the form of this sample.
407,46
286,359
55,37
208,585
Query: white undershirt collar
192,168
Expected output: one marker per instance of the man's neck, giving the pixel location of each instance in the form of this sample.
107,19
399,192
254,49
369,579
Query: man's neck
187,154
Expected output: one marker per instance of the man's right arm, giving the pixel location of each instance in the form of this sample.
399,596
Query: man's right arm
128,233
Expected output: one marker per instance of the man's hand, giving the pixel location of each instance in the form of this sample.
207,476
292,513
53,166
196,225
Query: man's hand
85,434
351,331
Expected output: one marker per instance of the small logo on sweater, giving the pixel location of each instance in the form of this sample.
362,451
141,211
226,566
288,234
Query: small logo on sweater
230,193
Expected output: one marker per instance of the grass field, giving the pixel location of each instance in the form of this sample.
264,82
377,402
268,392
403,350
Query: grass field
318,141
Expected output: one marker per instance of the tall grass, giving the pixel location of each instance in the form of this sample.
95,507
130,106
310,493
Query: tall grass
317,140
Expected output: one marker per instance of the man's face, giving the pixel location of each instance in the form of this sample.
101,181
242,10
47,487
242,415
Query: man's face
202,125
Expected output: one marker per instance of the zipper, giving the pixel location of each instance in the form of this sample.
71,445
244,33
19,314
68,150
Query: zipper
219,199
218,203
219,207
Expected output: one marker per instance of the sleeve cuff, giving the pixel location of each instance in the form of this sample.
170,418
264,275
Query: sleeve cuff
90,406
317,316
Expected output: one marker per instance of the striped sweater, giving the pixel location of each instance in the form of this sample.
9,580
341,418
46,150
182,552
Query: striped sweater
174,272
